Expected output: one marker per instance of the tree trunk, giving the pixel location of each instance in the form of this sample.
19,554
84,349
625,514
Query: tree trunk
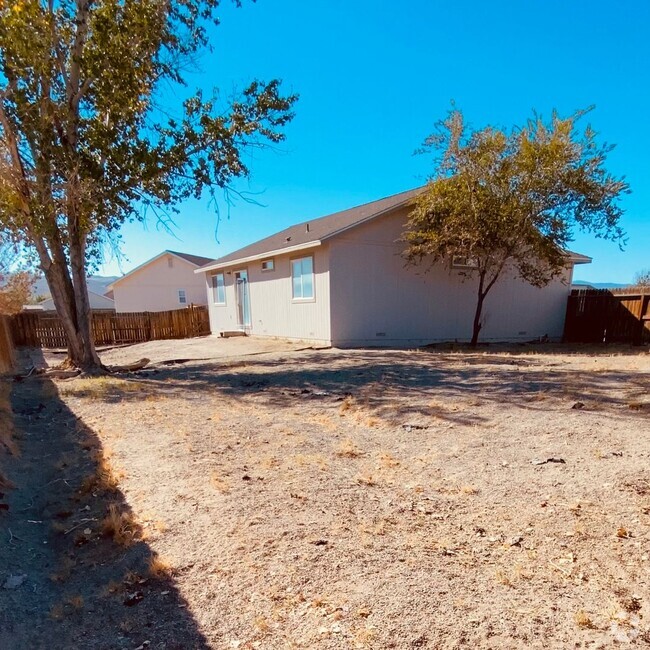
73,311
89,361
61,295
476,329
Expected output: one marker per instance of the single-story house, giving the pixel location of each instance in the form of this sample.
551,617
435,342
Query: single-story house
163,283
97,302
341,280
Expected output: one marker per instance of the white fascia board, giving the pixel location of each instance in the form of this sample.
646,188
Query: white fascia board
262,256
580,259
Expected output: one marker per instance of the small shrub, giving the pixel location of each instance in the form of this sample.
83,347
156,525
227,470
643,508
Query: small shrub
347,449
159,567
104,479
347,404
121,526
583,620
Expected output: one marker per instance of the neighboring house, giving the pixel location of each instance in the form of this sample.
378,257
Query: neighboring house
165,282
97,284
341,280
96,302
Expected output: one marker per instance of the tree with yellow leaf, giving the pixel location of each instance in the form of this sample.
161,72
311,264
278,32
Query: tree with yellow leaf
85,144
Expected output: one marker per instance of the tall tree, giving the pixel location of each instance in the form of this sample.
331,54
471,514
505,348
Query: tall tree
509,200
86,144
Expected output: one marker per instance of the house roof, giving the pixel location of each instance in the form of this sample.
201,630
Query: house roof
195,260
308,234
97,301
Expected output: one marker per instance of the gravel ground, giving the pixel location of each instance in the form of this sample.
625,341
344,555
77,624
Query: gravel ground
325,499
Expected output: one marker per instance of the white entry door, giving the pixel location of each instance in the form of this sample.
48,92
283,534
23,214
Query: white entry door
243,300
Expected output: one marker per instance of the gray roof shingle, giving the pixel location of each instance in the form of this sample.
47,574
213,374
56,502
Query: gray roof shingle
199,260
316,230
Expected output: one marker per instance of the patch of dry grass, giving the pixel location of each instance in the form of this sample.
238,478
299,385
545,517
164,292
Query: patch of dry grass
583,620
347,404
305,460
121,526
386,459
503,578
262,625
159,567
100,388
348,449
325,421
220,483
365,637
105,478
366,479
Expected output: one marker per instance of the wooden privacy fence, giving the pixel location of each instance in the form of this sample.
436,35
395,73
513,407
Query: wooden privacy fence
108,328
7,357
602,316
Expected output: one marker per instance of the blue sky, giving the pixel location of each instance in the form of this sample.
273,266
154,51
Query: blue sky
373,77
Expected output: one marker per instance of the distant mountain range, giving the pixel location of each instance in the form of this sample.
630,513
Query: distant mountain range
96,283
600,285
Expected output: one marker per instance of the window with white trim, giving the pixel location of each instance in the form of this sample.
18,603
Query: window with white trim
302,278
268,265
219,289
182,298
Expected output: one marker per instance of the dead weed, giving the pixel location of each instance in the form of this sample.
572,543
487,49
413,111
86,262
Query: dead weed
121,526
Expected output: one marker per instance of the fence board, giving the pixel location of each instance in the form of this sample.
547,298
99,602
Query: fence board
7,357
108,328
602,316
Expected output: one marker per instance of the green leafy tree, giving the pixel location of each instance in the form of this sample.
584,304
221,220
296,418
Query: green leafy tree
509,200
87,144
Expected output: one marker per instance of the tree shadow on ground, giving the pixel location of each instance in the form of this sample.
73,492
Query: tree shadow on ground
397,384
73,578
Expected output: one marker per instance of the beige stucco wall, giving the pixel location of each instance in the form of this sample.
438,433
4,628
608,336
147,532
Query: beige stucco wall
155,287
273,312
376,300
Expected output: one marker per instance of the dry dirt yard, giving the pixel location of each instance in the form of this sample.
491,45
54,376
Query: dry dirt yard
326,499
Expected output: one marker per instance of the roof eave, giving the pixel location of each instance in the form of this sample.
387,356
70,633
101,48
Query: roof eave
216,265
576,258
